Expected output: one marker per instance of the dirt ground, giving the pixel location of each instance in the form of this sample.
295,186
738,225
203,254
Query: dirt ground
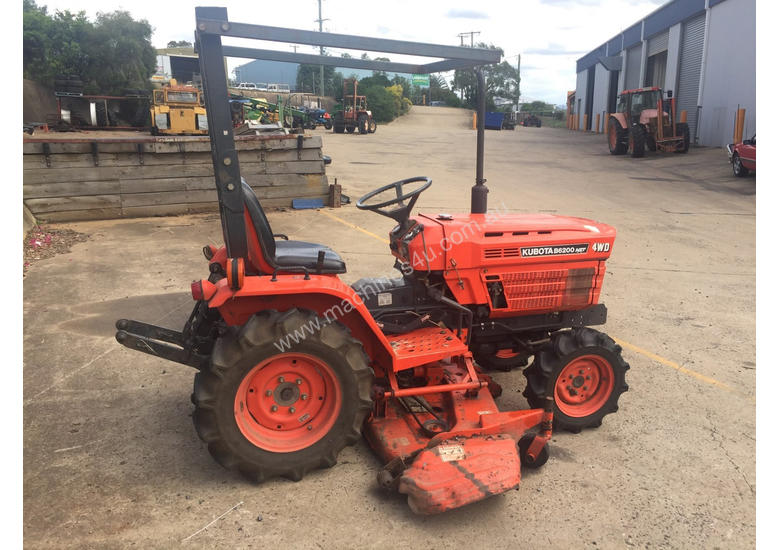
111,459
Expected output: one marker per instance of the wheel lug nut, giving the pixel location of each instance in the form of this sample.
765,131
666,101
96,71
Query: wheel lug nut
274,408
269,393
304,397
571,376
587,378
280,379
582,371
308,427
585,388
292,409
298,381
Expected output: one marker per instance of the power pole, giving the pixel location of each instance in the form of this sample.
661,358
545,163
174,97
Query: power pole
322,50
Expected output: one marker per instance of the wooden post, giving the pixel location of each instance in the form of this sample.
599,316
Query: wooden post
683,116
585,123
597,128
740,126
606,122
474,122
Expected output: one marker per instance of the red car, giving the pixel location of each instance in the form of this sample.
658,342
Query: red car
742,157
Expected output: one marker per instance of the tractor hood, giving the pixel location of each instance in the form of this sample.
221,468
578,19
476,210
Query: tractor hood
473,240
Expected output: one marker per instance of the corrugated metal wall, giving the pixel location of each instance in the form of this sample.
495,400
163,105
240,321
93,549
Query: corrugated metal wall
658,43
690,69
633,65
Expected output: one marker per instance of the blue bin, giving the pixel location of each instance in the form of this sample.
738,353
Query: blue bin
493,121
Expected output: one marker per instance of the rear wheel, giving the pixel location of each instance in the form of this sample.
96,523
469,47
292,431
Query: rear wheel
328,124
338,128
616,137
685,131
736,164
371,126
636,141
588,377
268,413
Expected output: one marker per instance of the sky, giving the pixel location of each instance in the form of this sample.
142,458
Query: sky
550,35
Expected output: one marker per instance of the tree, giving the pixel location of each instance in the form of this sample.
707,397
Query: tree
109,56
179,44
500,80
308,79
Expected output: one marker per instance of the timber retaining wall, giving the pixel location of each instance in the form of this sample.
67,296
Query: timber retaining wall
104,178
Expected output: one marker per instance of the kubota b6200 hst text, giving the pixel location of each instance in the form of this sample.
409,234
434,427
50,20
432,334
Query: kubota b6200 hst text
293,363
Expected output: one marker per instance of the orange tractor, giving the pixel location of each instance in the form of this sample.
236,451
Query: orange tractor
635,126
293,363
353,112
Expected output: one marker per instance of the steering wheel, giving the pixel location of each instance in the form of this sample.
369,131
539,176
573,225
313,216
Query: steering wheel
403,201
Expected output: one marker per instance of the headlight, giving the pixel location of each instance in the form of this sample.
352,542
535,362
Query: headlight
203,122
161,121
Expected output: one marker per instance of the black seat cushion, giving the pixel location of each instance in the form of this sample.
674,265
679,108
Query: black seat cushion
303,254
287,254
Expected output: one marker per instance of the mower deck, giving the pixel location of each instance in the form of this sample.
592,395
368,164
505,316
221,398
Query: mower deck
441,435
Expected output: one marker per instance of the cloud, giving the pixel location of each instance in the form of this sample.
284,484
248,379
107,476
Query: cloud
553,49
466,14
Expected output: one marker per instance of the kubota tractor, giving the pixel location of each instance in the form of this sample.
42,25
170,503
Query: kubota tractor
353,111
293,363
636,125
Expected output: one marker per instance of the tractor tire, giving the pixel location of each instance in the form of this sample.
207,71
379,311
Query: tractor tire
636,141
651,144
362,124
245,410
328,124
350,129
736,165
338,128
371,126
502,360
573,361
683,129
616,137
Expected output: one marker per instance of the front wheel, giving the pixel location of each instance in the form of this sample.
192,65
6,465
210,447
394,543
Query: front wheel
636,141
328,124
736,164
586,374
371,126
616,136
267,412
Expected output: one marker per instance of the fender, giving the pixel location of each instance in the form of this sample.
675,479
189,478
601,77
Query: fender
328,295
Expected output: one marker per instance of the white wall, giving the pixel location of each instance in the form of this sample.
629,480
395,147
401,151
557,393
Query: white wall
673,57
729,72
600,91
579,98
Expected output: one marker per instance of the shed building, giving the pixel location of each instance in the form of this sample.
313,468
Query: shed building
702,50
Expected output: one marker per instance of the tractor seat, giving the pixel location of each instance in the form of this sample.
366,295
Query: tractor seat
282,254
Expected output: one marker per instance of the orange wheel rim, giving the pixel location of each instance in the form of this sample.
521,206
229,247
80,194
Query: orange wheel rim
288,402
506,353
584,386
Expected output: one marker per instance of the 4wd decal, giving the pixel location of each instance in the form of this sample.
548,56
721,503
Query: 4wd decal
555,250
600,247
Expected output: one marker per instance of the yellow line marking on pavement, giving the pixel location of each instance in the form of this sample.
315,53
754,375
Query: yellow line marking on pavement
353,226
677,367
693,374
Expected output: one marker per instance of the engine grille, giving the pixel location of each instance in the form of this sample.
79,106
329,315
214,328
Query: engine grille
549,289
